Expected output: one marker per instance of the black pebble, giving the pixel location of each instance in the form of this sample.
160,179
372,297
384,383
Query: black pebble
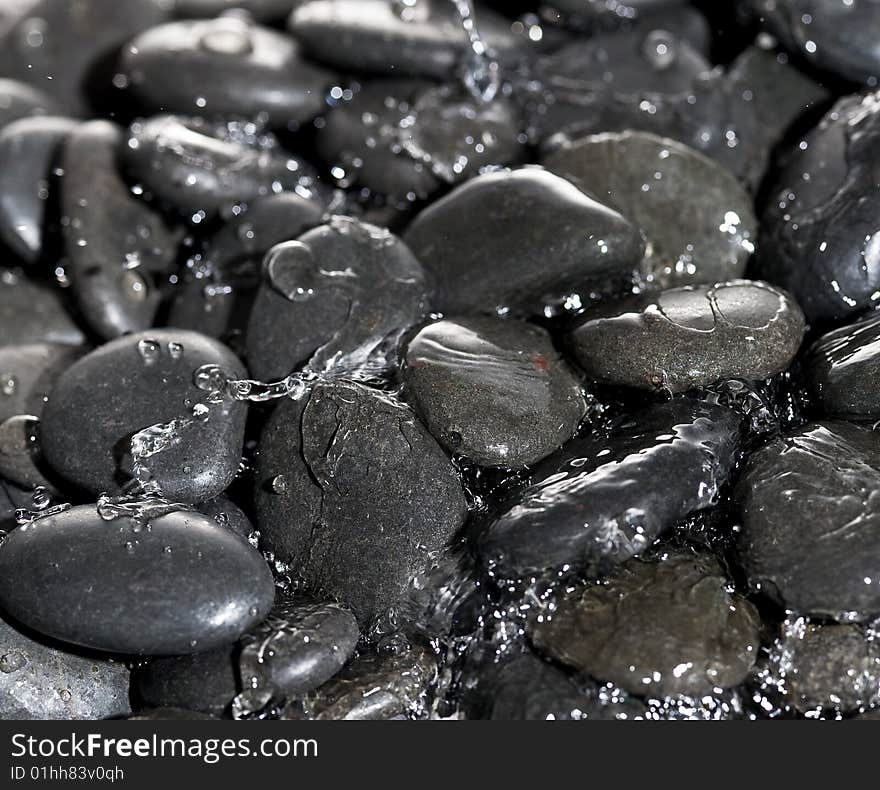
690,337
492,390
134,383
810,515
355,494
602,499
337,299
539,239
175,584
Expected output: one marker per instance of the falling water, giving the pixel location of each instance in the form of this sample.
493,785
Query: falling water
482,76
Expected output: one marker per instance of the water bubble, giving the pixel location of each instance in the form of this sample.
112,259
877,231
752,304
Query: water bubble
149,350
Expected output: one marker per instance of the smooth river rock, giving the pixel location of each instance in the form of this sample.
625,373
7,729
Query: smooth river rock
521,239
146,381
690,337
603,498
810,509
177,583
31,312
27,374
492,390
655,628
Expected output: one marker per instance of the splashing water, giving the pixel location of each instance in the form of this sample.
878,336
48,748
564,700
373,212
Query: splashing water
482,76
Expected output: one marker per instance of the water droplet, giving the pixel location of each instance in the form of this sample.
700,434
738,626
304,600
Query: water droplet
175,350
149,350
279,484
65,695
7,383
41,498
12,662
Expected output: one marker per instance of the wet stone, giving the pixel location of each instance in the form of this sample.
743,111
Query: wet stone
191,443
541,239
336,300
204,682
423,39
377,687
197,586
690,337
810,505
492,390
837,37
228,515
697,220
830,667
820,238
199,167
655,628
354,494
225,66
604,498
38,681
118,247
20,454
29,150
20,100
405,140
219,286
63,48
842,370
260,10
299,646
27,374
525,688
31,313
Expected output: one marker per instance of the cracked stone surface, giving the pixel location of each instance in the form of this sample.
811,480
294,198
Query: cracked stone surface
355,494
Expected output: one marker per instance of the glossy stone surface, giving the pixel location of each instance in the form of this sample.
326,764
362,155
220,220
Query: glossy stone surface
541,239
118,247
355,493
603,498
27,374
810,505
492,390
181,586
138,382
38,681
29,149
225,66
199,168
842,370
697,220
689,337
655,628
820,238
336,300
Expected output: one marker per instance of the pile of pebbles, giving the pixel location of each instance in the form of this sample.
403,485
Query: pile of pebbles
439,359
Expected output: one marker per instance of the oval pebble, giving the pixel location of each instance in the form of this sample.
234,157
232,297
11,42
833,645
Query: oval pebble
19,100
541,239
299,646
423,39
655,628
604,498
354,493
690,337
225,66
810,507
29,150
138,382
842,368
38,681
492,390
118,247
697,220
178,584
820,238
199,167
337,300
